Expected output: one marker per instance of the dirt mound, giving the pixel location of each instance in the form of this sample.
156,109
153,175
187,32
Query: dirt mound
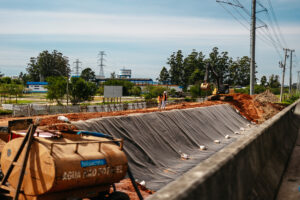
51,120
266,96
256,108
247,106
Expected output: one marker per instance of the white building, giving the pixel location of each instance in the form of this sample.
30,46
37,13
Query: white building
125,73
37,87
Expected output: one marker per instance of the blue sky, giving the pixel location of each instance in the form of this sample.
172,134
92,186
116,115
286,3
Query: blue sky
137,34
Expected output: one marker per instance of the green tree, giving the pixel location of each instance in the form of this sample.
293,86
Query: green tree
6,80
164,76
1,74
240,72
81,90
274,81
220,63
113,75
16,90
196,77
153,91
135,91
57,88
176,67
263,81
88,74
4,90
24,78
48,64
195,90
100,90
194,61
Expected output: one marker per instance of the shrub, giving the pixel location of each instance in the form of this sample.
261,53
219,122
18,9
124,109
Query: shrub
5,112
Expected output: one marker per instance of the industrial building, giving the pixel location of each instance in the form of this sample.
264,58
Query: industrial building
37,87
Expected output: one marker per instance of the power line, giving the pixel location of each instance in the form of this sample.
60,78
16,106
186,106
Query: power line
276,22
274,30
234,17
273,41
263,35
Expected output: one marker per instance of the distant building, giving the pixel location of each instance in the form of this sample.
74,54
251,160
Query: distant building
175,87
136,81
15,77
36,87
124,73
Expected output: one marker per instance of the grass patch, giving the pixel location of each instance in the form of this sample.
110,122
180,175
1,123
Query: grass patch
19,102
291,99
6,112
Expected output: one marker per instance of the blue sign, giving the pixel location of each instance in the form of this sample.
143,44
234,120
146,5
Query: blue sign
91,163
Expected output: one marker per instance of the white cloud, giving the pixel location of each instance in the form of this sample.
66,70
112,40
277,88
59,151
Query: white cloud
165,33
25,22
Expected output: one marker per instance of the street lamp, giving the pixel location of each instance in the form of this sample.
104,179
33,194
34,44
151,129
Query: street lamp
67,85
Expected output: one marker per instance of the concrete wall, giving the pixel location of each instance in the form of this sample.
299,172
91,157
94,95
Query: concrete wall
250,168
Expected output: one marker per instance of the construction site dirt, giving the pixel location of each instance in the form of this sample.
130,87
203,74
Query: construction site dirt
254,108
257,108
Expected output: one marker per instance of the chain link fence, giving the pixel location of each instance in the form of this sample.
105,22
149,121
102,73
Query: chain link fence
24,110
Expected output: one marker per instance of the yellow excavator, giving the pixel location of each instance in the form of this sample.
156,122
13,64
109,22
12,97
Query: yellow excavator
220,89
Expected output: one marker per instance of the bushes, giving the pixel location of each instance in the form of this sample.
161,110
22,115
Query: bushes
257,89
5,112
275,91
11,90
57,87
152,91
196,91
292,98
81,90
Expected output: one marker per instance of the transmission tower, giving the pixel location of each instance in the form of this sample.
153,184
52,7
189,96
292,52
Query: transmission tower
77,62
101,64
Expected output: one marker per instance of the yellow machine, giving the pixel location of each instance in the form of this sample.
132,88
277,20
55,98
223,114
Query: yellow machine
220,87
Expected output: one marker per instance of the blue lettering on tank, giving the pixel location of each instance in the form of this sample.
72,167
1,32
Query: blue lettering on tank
91,163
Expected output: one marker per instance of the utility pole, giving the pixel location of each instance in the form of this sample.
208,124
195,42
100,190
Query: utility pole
101,65
291,69
298,81
282,79
252,36
77,62
252,47
283,73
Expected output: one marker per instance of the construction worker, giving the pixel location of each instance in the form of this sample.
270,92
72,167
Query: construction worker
164,100
159,100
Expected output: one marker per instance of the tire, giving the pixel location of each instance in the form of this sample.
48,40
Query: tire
118,196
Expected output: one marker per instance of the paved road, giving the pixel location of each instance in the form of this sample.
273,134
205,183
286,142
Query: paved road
290,186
